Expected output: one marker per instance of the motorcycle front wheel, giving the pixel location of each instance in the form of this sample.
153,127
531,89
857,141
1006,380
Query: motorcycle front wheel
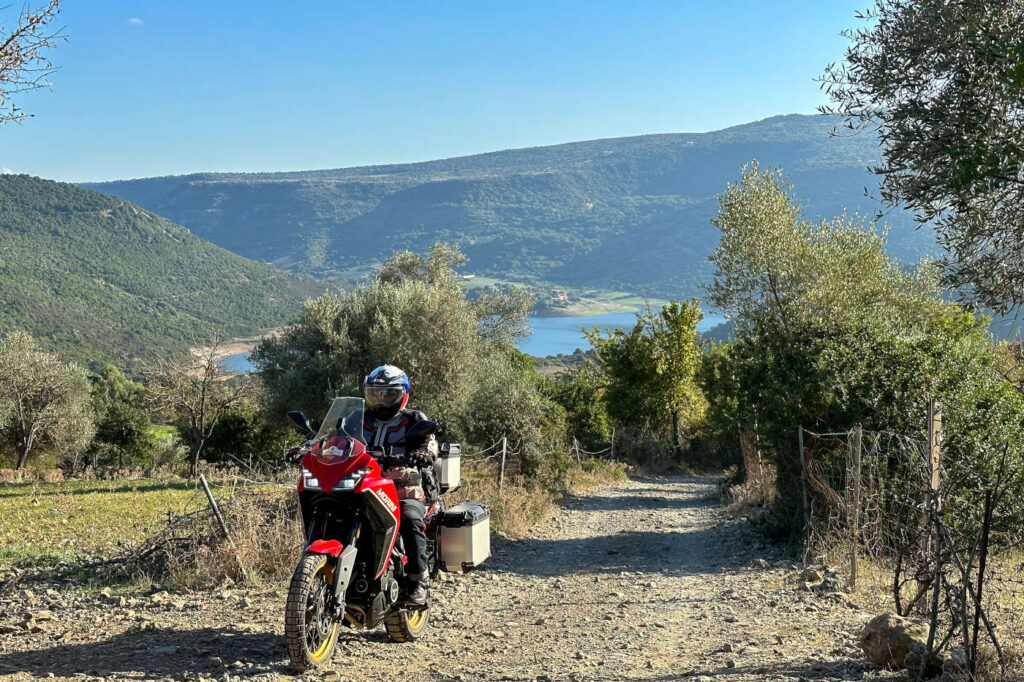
310,630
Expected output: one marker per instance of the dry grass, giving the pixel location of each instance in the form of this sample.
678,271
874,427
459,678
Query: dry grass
163,530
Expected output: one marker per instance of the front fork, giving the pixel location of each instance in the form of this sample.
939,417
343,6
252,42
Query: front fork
343,566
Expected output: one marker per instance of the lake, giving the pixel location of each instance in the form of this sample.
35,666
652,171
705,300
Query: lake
551,335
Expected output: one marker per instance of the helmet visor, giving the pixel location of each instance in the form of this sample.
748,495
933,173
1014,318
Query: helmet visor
383,396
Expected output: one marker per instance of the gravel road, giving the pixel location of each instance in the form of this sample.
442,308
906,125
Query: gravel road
646,579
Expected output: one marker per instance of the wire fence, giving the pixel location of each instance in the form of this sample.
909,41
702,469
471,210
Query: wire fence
944,547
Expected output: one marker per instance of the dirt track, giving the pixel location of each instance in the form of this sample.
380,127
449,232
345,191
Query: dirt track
647,579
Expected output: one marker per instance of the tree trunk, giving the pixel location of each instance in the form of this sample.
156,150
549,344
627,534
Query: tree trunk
22,456
24,447
193,468
677,451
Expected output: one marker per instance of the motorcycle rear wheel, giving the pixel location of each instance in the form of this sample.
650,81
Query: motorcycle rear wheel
406,625
310,630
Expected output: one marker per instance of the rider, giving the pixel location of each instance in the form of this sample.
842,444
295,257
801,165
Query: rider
386,391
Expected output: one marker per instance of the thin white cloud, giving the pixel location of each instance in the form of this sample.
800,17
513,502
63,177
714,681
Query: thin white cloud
135,21
6,171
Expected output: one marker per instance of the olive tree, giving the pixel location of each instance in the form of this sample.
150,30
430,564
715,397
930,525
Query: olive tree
649,371
942,84
415,314
831,332
42,400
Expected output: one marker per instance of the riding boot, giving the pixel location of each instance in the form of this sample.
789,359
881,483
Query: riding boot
418,588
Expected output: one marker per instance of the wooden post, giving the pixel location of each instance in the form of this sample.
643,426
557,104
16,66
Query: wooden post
223,526
612,454
501,472
934,506
934,444
856,441
803,478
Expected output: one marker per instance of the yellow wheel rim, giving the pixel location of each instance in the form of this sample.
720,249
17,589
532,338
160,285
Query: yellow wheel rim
416,619
326,646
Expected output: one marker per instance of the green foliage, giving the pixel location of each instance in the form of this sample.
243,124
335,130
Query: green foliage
43,401
942,83
102,280
414,315
579,392
649,371
581,215
830,333
123,428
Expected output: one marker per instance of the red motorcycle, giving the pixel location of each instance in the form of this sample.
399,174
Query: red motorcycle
352,571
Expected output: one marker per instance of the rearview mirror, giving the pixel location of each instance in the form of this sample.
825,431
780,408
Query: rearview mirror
301,422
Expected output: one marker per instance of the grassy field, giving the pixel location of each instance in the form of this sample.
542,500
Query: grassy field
42,524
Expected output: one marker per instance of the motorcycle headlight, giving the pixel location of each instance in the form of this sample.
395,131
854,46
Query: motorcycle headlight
309,481
351,481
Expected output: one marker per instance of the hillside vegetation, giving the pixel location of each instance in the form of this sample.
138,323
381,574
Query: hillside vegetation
627,214
100,279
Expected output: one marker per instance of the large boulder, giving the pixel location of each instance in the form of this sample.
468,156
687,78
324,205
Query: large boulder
888,638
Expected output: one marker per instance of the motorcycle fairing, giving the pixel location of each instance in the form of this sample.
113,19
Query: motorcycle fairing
327,547
383,511
330,469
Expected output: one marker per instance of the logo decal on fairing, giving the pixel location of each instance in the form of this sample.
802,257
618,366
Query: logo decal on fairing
384,499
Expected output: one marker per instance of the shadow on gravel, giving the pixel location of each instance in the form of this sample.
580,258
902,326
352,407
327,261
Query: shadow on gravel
165,653
630,502
841,669
676,553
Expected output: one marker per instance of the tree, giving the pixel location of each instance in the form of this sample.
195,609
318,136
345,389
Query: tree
831,332
42,400
122,425
197,391
650,370
942,83
24,65
579,391
415,314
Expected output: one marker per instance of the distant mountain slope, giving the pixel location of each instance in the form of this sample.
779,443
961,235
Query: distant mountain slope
627,213
101,279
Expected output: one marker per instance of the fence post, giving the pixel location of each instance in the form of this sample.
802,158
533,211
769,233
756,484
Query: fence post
501,472
934,442
934,507
855,472
806,507
223,526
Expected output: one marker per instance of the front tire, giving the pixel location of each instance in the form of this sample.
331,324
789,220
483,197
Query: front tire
310,630
407,625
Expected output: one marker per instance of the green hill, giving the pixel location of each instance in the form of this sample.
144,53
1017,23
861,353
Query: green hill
627,214
100,279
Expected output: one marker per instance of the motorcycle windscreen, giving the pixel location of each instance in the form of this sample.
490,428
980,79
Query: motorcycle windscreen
344,418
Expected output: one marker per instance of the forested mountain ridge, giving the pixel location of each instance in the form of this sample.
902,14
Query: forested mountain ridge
625,213
100,279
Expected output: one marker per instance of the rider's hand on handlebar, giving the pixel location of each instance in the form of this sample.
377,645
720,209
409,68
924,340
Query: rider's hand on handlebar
418,459
294,454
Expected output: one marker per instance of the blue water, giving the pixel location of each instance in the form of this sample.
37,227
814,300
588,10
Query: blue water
551,335
554,335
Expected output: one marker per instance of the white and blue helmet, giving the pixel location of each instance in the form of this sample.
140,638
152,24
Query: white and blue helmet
386,391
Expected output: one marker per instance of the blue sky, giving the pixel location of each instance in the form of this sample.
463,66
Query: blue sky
161,87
